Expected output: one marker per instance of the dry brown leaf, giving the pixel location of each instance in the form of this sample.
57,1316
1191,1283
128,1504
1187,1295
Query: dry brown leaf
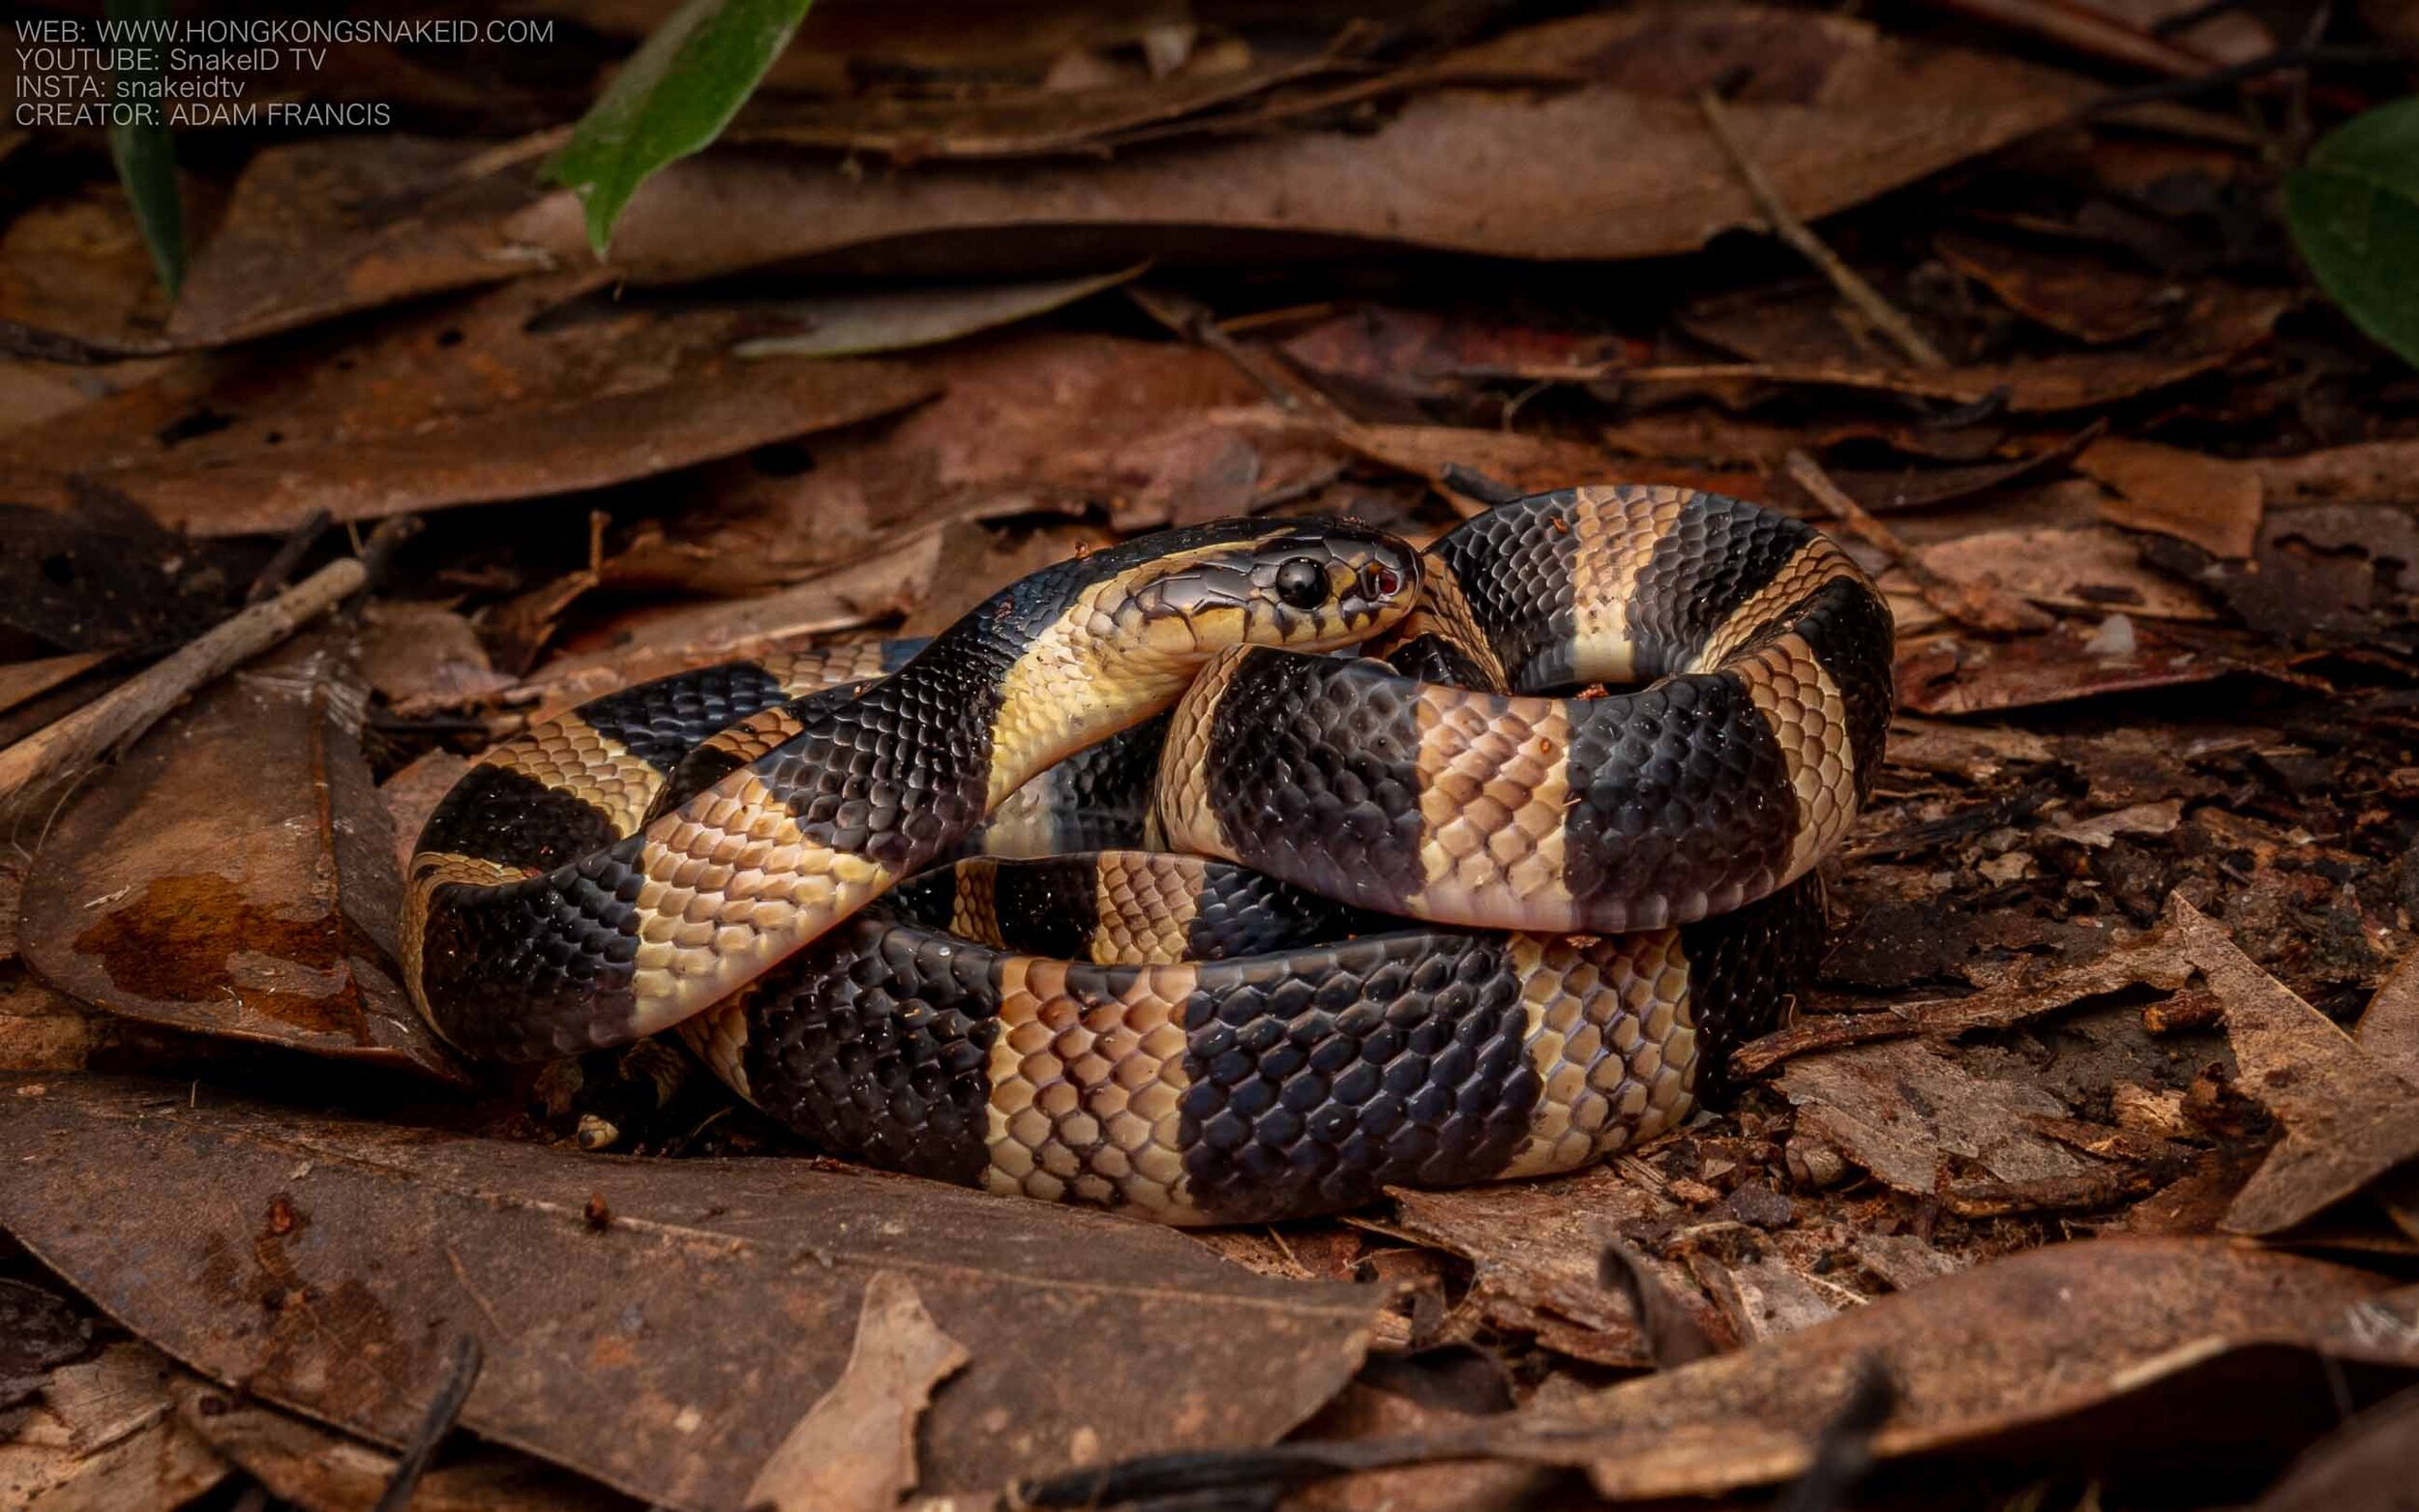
330,1265
74,268
2374,472
2213,504
1461,170
2089,298
1027,422
322,227
854,1450
1364,1411
41,1030
1410,356
1536,1246
2048,1339
264,910
2347,1117
2372,1461
1595,171
1795,338
2092,569
1903,1110
2389,1028
452,406
648,645
1948,674
102,1440
1528,463
2101,830
23,680
1023,121
423,657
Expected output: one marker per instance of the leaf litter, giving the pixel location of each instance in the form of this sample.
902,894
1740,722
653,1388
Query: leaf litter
2095,1114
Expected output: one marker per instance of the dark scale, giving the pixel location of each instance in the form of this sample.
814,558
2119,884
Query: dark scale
1680,790
1848,626
1240,912
498,814
559,946
711,762
1744,969
1715,557
1318,761
1318,1080
875,1043
1516,570
659,721
1047,910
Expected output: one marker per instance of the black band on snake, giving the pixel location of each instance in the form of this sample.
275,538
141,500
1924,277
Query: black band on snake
730,851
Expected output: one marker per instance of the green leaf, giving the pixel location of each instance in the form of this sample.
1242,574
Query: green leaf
146,160
672,98
2354,213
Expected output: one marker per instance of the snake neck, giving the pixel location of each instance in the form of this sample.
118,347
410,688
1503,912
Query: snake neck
1026,697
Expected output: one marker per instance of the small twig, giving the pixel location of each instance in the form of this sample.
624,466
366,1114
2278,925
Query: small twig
1193,322
1672,1337
377,553
127,710
280,569
1844,1453
2277,62
461,1373
2089,30
1886,316
1470,482
1970,604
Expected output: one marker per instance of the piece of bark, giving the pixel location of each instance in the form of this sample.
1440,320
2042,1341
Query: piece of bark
129,709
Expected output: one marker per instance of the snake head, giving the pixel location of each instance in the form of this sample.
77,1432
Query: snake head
1310,585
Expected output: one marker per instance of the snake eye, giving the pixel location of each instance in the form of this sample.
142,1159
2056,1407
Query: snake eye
1301,583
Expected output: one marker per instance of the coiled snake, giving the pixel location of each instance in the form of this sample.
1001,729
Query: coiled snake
1250,1027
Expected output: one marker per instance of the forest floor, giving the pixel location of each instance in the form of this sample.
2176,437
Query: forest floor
2088,1176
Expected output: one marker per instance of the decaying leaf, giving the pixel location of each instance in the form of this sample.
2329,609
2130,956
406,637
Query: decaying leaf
1538,1246
325,1472
1793,340
854,1450
2029,1341
2348,1116
2213,504
2091,299
452,406
1027,422
2092,569
1945,675
1903,1110
233,875
862,324
2372,1461
328,1265
103,1438
322,228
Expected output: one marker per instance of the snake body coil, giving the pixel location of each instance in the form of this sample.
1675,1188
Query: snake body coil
726,850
